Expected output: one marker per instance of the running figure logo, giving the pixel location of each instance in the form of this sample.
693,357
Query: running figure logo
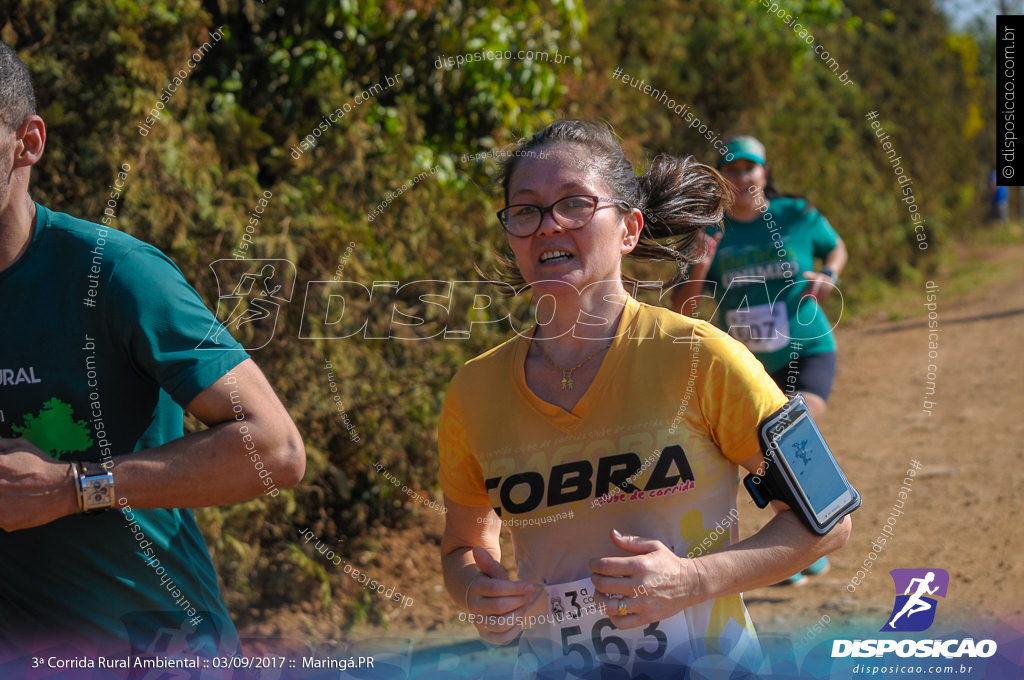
801,455
254,302
914,610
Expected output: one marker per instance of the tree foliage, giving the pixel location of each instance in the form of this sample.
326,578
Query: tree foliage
231,132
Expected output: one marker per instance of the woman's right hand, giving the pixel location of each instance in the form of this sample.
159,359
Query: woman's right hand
497,603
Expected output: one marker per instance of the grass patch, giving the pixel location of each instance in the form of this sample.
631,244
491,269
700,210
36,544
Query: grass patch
964,267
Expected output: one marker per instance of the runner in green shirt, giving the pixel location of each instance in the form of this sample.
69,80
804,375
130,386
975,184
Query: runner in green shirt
761,272
99,551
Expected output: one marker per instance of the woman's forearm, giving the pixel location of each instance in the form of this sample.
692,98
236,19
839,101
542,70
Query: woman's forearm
781,548
836,258
459,571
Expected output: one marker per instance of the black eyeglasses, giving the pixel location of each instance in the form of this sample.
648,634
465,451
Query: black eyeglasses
571,212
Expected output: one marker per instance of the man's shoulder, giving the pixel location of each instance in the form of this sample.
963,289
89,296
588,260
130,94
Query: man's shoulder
113,244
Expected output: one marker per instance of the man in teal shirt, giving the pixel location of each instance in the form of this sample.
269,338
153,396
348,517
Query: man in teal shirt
99,355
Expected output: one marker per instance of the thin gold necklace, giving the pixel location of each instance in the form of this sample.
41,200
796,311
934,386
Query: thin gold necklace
567,372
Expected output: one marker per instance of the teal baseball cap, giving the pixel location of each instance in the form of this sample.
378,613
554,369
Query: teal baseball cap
743,146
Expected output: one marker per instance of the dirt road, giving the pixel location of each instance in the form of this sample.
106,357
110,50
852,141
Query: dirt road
962,514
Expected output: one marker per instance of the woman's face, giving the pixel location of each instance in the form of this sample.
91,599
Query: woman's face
748,177
580,256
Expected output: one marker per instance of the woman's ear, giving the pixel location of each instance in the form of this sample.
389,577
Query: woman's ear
634,223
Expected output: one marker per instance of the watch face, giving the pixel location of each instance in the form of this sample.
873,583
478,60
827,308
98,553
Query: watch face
97,493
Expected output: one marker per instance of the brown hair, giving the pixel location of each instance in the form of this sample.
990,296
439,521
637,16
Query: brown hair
678,197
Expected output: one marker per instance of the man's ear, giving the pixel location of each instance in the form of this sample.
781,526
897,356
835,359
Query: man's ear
30,141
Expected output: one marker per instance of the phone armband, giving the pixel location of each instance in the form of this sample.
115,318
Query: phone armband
800,470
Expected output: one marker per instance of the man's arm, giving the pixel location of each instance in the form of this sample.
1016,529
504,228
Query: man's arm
217,466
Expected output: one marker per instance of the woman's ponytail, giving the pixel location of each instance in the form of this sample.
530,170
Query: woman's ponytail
680,198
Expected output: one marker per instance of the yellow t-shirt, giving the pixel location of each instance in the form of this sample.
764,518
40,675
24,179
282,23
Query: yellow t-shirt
651,450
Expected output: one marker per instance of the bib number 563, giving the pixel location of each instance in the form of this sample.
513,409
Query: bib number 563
603,644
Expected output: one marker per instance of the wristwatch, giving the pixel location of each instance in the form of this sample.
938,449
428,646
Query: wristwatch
829,273
95,487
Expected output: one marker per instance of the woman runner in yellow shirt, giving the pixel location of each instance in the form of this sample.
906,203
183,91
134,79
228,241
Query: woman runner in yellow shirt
610,437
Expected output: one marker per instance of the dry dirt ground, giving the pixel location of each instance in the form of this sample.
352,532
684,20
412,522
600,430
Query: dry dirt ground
963,514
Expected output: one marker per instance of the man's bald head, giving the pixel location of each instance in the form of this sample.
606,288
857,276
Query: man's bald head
17,98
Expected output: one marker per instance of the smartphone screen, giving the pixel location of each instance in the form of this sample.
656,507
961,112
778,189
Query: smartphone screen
806,455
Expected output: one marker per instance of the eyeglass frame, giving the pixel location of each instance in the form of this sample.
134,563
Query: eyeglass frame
550,209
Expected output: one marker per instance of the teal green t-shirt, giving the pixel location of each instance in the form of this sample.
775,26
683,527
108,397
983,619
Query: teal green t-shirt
97,358
758,282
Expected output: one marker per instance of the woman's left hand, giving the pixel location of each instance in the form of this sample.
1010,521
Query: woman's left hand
654,583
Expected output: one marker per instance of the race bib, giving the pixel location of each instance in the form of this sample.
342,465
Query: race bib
571,635
762,328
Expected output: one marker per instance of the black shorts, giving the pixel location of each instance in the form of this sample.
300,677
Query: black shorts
812,373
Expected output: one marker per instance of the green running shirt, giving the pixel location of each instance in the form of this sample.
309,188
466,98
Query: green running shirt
758,280
97,358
